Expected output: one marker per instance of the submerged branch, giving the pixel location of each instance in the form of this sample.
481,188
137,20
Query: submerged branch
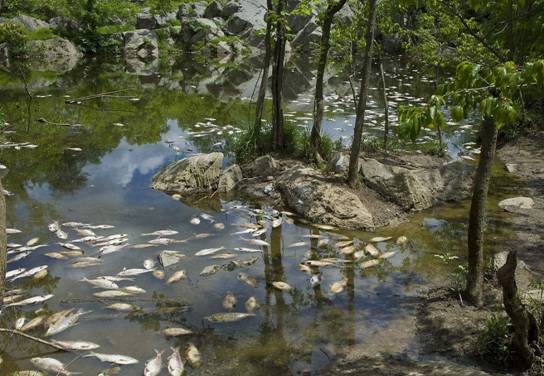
32,338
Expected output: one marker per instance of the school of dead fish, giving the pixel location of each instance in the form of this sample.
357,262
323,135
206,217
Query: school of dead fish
111,286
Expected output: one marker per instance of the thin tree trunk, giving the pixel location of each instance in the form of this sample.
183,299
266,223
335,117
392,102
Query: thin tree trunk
524,323
315,137
361,105
476,224
32,338
385,107
3,242
264,80
277,79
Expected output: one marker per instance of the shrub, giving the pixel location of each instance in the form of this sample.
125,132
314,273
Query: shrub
494,341
15,37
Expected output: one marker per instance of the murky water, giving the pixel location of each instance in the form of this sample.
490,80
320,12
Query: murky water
129,136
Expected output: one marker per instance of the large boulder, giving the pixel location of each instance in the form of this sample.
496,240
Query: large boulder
306,192
229,178
195,30
214,9
65,24
417,188
190,176
190,10
262,166
53,55
29,23
308,37
146,21
141,44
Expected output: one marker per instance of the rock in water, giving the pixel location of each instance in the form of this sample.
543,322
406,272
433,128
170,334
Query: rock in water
517,203
307,193
229,178
191,176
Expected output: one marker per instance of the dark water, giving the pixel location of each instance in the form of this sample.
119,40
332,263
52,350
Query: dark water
129,136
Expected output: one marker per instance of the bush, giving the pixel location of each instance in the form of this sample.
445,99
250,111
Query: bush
15,37
494,341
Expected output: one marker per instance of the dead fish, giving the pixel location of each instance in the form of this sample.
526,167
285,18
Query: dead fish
207,217
132,272
323,227
41,274
159,274
65,322
193,356
101,283
258,232
124,307
70,246
53,227
210,269
34,323
175,363
100,227
133,290
401,240
229,301
20,322
242,232
85,264
257,242
18,257
203,235
12,231
15,272
195,221
387,255
319,262
248,280
51,320
61,234
349,250
154,366
87,239
108,249
30,273
379,239
304,268
298,244
177,276
219,226
165,241
372,250
209,251
112,294
56,255
112,242
162,233
50,365
77,345
369,264
112,358
225,255
85,232
74,149
168,258
248,250
32,242
176,332
338,287
280,285
115,278
315,280
110,372
251,304
143,245
344,243
13,298
228,316
73,224
149,264
276,222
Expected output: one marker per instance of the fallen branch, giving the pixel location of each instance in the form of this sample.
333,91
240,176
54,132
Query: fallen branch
32,338
94,96
45,121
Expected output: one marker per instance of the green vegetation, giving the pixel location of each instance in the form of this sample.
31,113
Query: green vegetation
494,340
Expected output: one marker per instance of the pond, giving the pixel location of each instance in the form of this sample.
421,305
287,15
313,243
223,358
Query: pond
99,173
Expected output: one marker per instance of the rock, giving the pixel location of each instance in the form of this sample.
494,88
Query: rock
230,9
307,38
146,21
65,24
141,51
30,23
194,30
236,25
523,275
190,176
190,10
229,178
339,163
262,166
305,191
511,204
511,167
53,55
214,9
417,188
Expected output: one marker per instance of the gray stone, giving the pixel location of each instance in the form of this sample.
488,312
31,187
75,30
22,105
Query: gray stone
306,192
307,38
65,24
53,55
214,9
191,10
262,166
146,21
236,25
140,44
230,9
30,23
190,176
517,203
229,178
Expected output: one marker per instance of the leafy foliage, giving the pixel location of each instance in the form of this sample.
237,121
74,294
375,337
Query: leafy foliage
494,341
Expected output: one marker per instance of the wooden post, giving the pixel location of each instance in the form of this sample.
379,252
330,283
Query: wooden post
3,242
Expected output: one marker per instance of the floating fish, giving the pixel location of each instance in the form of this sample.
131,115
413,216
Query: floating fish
102,283
65,322
242,232
12,231
324,227
175,363
168,258
70,246
161,233
379,239
32,324
338,287
207,217
257,242
61,234
50,365
20,322
77,345
112,294
53,227
276,222
219,226
20,256
298,244
228,316
32,242
112,358
248,250
56,255
248,280
132,272
125,307
251,304
369,264
133,290
176,332
195,221
165,241
210,269
372,250
108,249
149,264
387,255
177,276
30,273
154,366
85,232
203,235
209,251
229,301
401,240
143,245
159,274
193,356
282,286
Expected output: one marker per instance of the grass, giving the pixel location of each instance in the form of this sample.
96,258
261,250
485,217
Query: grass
494,341
43,33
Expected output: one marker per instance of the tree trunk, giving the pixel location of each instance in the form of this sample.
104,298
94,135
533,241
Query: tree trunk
525,326
3,242
277,79
361,105
385,107
315,137
477,217
264,80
